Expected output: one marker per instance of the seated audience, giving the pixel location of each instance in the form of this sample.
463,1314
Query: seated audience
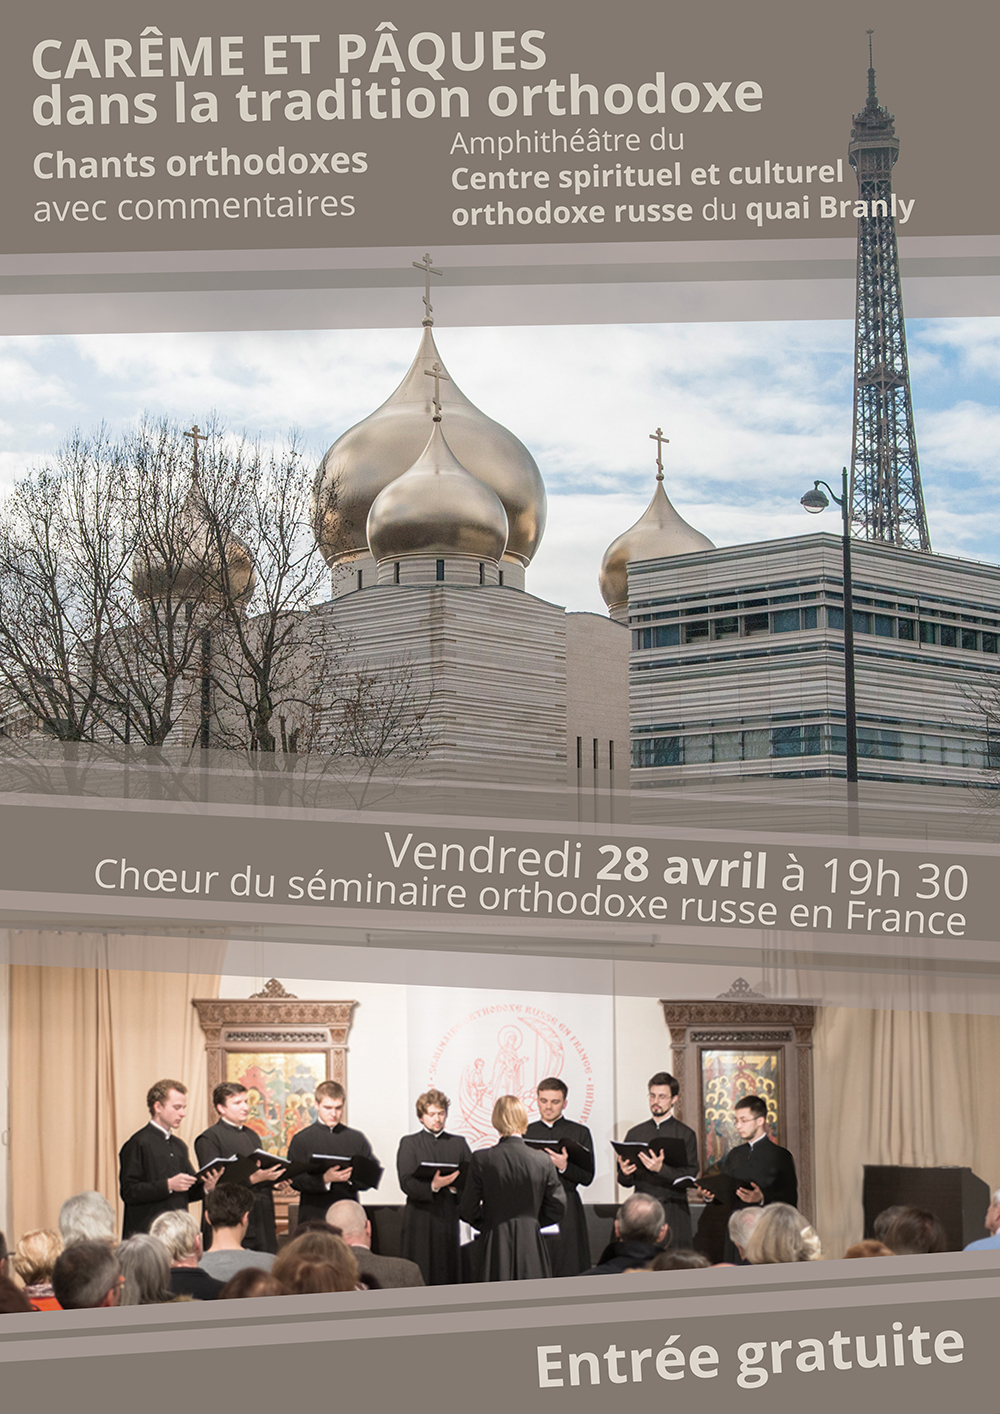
33,1259
12,1298
641,1232
180,1235
869,1248
86,1275
908,1231
228,1208
782,1234
87,1217
316,1261
683,1259
741,1224
251,1281
992,1225
353,1223
146,1269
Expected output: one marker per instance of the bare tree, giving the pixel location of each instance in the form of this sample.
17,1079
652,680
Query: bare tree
64,551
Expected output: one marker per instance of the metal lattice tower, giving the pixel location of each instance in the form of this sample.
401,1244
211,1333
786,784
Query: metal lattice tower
887,502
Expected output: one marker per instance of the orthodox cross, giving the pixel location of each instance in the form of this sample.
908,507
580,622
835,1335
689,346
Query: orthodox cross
659,439
196,436
437,373
428,269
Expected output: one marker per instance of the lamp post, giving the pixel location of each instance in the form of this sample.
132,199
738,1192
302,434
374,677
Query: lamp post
815,501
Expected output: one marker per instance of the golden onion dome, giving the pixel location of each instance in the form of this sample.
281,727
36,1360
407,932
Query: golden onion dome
658,532
196,576
373,453
437,508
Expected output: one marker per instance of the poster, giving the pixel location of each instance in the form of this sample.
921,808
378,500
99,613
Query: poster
608,233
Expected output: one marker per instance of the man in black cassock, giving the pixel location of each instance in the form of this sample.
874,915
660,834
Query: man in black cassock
511,1192
569,1252
231,1135
430,1218
650,1174
329,1135
763,1170
155,1171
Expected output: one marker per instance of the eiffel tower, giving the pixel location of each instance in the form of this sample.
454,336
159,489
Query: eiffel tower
886,500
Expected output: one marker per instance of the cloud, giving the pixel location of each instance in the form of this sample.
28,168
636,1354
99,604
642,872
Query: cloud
755,412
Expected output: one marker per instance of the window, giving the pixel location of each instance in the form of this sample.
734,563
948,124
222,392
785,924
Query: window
360,573
785,621
693,632
989,643
727,627
440,571
969,638
808,618
755,623
947,639
904,629
396,573
884,626
928,632
656,751
756,745
482,572
727,746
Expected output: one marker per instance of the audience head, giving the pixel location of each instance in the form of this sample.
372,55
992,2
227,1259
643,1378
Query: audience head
741,1224
509,1115
352,1222
228,1205
782,1234
180,1235
641,1219
992,1221
12,1298
251,1281
87,1217
911,1230
683,1260
146,1269
35,1255
869,1248
3,1255
86,1274
313,1225
316,1261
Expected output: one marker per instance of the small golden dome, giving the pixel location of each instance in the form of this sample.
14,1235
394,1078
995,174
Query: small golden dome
197,576
658,532
373,453
437,508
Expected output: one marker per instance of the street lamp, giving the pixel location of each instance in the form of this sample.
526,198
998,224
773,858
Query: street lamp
815,501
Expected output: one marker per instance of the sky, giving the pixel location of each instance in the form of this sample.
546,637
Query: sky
755,412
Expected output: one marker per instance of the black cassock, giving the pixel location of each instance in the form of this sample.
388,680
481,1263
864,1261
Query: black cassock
221,1142
768,1165
510,1193
661,1185
146,1162
430,1220
570,1251
315,1198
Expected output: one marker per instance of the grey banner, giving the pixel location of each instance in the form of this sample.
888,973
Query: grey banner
216,864
193,129
881,1331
